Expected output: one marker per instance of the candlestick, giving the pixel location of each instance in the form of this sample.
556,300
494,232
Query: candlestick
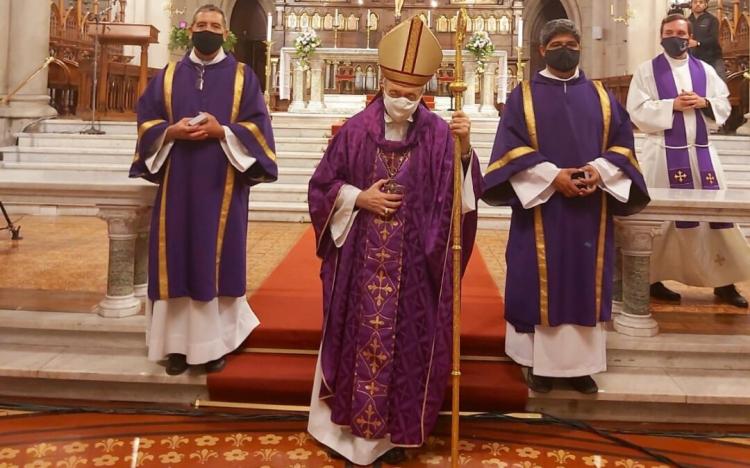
269,27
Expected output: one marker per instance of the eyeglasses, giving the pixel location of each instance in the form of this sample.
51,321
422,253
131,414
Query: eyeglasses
199,81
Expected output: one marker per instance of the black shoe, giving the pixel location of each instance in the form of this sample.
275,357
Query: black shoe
216,365
731,296
394,456
659,291
177,364
584,384
538,383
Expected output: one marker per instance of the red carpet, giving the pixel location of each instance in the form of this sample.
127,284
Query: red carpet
289,305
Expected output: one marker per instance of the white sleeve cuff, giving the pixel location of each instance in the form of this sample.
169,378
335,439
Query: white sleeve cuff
344,214
158,155
468,199
533,186
236,152
613,179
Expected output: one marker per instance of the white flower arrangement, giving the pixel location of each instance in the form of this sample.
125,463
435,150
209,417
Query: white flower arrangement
481,46
305,44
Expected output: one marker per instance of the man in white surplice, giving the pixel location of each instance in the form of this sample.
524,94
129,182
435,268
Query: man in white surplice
707,255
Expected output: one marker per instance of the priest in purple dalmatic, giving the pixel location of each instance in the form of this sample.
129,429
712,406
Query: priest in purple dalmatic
380,202
564,161
673,99
204,136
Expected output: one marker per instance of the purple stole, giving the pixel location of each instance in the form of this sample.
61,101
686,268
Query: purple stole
675,139
381,284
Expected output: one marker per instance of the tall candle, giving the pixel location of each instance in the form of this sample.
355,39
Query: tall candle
429,18
519,27
336,18
368,19
269,27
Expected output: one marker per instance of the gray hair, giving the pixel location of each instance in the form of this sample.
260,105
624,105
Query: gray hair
557,27
210,7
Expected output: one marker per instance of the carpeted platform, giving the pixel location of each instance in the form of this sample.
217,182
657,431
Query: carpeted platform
278,360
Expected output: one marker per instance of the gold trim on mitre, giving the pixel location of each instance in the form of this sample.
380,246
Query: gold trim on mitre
410,54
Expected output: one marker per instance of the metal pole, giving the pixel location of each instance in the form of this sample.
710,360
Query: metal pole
457,89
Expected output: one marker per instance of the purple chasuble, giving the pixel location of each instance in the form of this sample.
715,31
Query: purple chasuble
560,254
387,291
675,139
197,245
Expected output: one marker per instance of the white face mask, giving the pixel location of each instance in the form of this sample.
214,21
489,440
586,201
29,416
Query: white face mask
400,109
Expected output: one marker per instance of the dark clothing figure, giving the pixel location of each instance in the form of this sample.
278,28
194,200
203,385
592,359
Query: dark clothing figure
706,32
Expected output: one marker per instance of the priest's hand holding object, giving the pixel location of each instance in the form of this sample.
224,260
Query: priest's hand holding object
212,127
182,130
378,202
568,186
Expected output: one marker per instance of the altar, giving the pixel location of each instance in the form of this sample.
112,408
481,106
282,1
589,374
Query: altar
341,71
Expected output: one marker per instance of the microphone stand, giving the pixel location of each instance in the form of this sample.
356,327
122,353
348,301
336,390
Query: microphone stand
92,130
15,231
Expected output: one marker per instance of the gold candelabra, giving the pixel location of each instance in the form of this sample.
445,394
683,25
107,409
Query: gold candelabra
267,92
458,87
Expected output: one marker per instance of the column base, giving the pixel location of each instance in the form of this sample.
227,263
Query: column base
636,325
617,307
744,129
118,306
315,106
470,109
140,291
296,106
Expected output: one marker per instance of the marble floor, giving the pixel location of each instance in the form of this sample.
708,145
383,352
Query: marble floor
133,437
61,265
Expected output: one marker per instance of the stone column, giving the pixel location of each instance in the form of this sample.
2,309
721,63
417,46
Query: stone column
24,43
140,272
637,245
27,50
298,88
317,103
617,306
488,90
470,73
121,226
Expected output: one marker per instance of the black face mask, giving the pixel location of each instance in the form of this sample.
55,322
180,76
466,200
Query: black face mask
207,42
674,46
562,59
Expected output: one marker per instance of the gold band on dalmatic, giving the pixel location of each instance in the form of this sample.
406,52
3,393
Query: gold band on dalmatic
601,242
628,153
541,245
229,179
509,157
142,129
255,131
168,81
163,270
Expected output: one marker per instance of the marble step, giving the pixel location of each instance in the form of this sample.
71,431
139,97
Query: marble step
55,141
109,374
680,351
649,394
70,329
279,192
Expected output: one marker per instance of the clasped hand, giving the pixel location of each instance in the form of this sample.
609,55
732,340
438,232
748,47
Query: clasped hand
689,100
378,202
581,187
182,130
